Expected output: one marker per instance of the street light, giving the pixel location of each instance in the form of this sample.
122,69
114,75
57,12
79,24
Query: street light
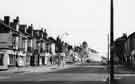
111,40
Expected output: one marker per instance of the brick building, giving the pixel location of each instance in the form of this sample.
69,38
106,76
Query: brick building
23,45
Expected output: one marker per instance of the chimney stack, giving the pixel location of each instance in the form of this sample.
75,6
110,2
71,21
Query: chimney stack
17,18
6,19
17,23
32,28
22,28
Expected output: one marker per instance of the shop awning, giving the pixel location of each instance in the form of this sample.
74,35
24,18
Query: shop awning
8,51
47,54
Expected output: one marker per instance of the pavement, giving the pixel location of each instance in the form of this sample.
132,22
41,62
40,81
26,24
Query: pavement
123,75
121,69
122,79
30,69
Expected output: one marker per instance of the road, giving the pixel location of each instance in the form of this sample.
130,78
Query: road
77,74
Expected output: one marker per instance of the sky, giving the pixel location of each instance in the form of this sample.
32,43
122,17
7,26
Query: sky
84,20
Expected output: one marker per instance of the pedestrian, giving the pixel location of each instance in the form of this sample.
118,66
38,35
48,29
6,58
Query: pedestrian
62,56
133,58
53,53
84,51
51,59
54,58
47,57
58,59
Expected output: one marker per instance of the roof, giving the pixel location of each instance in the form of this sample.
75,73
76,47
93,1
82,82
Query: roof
19,33
132,35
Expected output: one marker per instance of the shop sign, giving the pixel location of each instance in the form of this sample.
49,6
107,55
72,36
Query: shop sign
42,54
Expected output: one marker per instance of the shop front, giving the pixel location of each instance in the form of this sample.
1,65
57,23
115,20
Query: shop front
4,59
47,57
7,58
32,60
42,59
21,59
28,59
11,60
36,59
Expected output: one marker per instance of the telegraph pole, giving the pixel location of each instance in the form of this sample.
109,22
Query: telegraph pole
111,40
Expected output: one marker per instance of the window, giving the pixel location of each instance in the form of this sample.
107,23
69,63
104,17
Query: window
1,59
12,59
29,49
41,50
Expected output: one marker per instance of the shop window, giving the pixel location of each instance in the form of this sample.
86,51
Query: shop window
29,49
1,59
12,59
41,50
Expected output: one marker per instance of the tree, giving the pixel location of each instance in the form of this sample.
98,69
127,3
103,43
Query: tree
58,44
84,44
30,29
45,34
51,40
119,48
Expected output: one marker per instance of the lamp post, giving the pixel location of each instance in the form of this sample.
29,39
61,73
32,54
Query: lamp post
111,40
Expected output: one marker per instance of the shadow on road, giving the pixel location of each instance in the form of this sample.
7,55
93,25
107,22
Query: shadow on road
83,70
